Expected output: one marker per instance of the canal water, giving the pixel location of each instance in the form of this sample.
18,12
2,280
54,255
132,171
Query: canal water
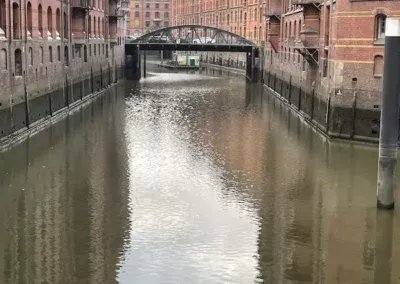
192,178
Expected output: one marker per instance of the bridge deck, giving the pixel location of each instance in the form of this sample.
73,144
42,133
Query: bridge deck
193,47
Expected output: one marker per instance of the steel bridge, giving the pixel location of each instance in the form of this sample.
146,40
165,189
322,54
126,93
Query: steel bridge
188,38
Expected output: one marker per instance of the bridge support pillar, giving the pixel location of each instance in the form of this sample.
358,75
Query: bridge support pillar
251,66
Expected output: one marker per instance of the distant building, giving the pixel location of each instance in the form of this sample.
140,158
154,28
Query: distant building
148,15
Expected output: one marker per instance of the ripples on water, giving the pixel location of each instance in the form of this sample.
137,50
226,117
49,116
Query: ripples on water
192,178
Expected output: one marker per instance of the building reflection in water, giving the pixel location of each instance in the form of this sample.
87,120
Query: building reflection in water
318,222
64,204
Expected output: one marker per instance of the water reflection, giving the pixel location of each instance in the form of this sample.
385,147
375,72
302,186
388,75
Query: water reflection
197,178
62,220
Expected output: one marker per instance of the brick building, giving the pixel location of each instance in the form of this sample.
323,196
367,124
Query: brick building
148,15
53,53
324,57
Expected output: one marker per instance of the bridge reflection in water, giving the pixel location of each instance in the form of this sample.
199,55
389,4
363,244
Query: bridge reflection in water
200,177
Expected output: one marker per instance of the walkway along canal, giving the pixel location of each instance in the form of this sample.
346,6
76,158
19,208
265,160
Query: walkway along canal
197,178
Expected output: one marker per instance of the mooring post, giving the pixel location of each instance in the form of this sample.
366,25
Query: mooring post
138,63
144,63
389,116
253,64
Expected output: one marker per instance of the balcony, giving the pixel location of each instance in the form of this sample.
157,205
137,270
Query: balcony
115,12
81,4
294,42
308,46
274,13
310,40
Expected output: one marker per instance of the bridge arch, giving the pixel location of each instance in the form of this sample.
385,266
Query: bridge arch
194,34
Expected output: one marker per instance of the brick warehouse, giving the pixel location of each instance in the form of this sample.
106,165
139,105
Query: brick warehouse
53,54
148,15
324,58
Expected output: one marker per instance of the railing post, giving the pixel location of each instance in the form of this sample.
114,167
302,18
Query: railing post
388,138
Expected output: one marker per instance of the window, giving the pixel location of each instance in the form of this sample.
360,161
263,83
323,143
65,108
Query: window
16,22
65,35
378,65
30,56
166,6
3,59
157,6
147,14
41,55
29,15
166,24
166,15
3,16
137,6
58,53
85,53
157,15
66,56
50,54
147,6
58,23
380,27
49,23
137,14
18,62
147,24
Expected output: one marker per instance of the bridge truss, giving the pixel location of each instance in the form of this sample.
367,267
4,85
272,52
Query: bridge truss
193,34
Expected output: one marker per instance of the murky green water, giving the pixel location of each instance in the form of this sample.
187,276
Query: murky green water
192,179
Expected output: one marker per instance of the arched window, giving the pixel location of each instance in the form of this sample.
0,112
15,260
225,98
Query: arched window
94,27
49,23
30,56
299,27
3,21
58,23
295,29
260,34
65,35
227,19
29,19
378,65
245,17
290,29
66,56
90,26
50,54
380,27
18,62
85,53
58,53
255,33
41,55
40,20
3,59
16,22
99,27
94,50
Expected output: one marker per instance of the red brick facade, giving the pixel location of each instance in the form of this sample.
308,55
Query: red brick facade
63,49
331,49
149,15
